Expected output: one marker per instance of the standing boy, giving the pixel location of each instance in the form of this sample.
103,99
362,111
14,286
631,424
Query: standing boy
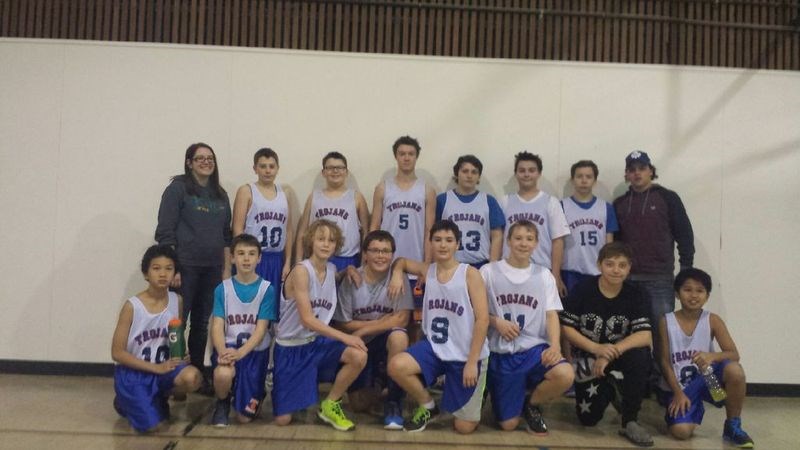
405,205
366,311
592,224
477,215
307,350
144,373
524,336
261,209
606,320
533,205
688,337
243,307
454,320
652,220
341,205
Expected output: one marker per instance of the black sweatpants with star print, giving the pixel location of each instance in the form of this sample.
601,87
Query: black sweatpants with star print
593,396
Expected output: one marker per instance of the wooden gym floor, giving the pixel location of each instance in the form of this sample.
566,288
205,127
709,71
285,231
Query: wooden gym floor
62,413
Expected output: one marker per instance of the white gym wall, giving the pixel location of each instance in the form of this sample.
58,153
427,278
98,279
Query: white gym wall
91,132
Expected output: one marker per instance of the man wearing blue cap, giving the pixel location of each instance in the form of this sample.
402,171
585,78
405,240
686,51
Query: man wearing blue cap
652,220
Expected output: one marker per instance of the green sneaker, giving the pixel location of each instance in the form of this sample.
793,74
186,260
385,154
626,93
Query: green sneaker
420,419
331,412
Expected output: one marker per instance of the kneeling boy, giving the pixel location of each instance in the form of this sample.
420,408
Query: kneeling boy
144,374
688,351
307,350
606,321
454,319
243,307
524,336
365,310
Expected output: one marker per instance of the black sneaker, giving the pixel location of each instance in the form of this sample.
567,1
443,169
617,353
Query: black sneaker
206,388
420,419
221,413
536,423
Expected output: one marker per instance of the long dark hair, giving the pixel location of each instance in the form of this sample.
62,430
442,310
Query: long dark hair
192,188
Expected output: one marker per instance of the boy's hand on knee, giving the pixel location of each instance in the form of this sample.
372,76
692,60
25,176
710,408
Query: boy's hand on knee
680,405
354,341
167,366
470,376
551,356
599,367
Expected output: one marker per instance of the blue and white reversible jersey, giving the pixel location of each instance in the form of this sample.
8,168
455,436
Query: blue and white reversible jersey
682,347
448,319
588,228
522,296
323,303
241,318
342,212
147,338
473,220
267,219
545,212
404,217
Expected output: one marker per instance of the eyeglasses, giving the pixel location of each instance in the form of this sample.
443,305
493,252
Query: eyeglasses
201,159
336,168
379,251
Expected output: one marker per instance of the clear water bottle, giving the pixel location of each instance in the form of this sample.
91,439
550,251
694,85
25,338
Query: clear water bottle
714,385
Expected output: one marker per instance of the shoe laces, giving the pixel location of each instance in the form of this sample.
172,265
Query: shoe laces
421,414
336,409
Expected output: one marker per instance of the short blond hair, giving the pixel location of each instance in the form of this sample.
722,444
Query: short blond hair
308,237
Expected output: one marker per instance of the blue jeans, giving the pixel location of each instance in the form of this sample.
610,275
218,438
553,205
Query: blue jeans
197,288
661,295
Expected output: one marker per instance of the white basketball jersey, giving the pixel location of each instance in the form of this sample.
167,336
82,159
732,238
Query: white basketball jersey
404,217
447,316
534,210
323,303
266,219
524,302
682,347
342,212
473,220
240,318
587,235
147,338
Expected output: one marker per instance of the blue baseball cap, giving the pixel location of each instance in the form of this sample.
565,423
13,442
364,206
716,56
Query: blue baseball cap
637,157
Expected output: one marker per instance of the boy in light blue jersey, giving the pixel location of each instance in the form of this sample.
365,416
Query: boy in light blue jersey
243,307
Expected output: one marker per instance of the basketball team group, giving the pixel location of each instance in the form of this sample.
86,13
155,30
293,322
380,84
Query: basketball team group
515,301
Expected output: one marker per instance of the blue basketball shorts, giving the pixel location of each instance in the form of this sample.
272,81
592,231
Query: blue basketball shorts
511,375
142,396
463,402
299,369
698,393
341,262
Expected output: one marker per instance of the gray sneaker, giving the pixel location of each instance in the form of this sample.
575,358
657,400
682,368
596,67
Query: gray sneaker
637,434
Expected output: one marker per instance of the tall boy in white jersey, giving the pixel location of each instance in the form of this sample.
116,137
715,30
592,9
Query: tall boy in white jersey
365,310
243,307
307,350
533,205
405,205
454,319
592,223
261,209
687,350
344,206
524,334
477,214
144,373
